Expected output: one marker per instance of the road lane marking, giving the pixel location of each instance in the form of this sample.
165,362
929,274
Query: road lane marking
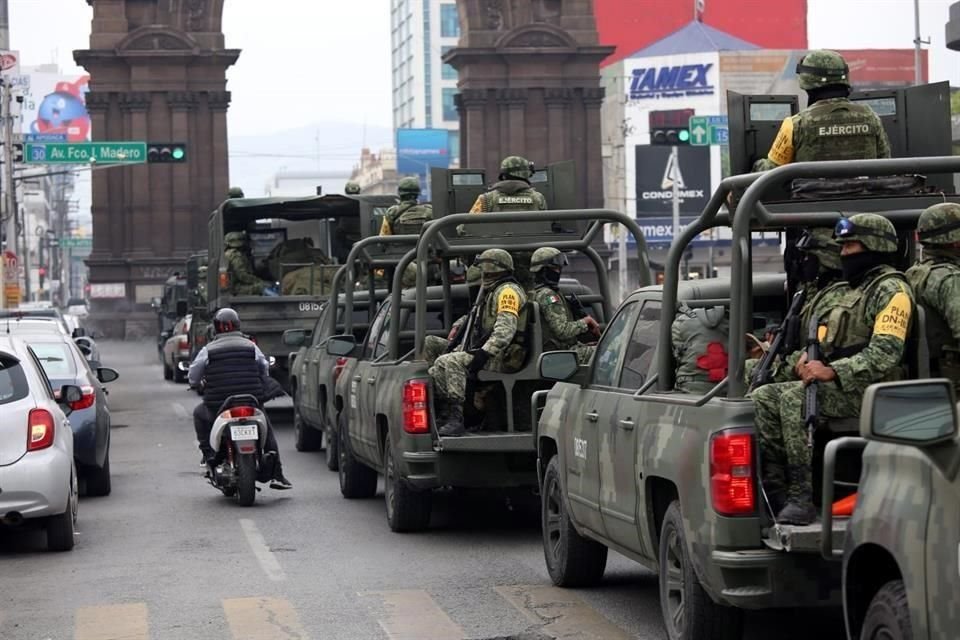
263,619
180,410
112,622
266,558
561,614
411,614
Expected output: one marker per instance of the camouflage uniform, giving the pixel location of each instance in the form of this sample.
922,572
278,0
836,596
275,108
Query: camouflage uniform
936,283
492,341
699,339
435,346
863,337
560,330
513,193
831,128
351,188
243,282
408,216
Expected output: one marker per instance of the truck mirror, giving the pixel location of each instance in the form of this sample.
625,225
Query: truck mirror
341,346
913,412
558,365
294,337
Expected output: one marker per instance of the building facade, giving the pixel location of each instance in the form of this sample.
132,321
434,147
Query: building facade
423,86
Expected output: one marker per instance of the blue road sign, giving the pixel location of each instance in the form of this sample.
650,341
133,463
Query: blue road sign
45,137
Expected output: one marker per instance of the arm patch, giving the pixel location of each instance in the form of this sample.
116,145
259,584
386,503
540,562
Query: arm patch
894,319
508,302
782,150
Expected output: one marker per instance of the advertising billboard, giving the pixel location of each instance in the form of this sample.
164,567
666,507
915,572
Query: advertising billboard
420,149
654,192
55,104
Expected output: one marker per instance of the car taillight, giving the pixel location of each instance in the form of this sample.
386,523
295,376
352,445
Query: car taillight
39,429
731,473
183,344
338,368
86,400
238,412
224,279
416,414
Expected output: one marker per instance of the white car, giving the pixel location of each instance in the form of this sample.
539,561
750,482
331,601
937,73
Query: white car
38,480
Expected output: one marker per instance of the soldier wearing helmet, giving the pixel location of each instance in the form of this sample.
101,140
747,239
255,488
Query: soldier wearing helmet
560,330
243,280
351,188
832,127
435,346
862,338
936,282
492,338
407,216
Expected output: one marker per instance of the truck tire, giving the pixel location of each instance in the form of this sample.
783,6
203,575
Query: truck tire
306,437
98,478
408,510
167,371
357,480
332,449
572,560
179,377
688,612
246,479
888,615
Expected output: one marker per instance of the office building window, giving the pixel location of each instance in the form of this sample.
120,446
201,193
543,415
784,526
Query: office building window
449,21
449,108
447,72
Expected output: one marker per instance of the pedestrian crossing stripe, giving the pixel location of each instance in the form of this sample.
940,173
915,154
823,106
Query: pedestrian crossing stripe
263,618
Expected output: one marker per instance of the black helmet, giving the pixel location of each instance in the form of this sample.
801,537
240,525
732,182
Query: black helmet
226,321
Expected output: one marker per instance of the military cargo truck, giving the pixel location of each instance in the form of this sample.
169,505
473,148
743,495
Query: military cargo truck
170,307
198,335
324,226
671,479
390,425
900,555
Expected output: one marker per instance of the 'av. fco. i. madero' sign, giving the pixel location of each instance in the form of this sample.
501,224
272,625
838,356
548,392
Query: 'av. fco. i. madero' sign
671,82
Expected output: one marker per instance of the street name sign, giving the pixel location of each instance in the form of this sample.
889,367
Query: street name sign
70,243
85,152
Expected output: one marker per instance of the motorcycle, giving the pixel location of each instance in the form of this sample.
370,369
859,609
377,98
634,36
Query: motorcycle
238,436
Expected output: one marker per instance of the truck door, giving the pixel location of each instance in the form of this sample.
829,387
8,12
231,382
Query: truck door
754,122
363,388
620,426
589,450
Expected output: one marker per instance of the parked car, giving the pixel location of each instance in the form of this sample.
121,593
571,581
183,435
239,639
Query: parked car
176,350
37,471
38,324
90,415
77,307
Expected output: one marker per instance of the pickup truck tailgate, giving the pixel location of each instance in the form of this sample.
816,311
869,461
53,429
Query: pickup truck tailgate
804,539
490,442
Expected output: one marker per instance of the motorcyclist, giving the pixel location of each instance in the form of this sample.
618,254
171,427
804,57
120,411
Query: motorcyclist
231,365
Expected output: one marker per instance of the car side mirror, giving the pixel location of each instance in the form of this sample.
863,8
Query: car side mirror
341,346
79,332
558,366
69,394
155,303
182,308
294,337
921,413
106,374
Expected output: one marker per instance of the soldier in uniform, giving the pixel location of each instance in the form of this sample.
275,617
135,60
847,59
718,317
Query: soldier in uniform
862,337
560,330
699,339
513,193
407,216
832,127
936,282
351,188
491,341
435,346
243,281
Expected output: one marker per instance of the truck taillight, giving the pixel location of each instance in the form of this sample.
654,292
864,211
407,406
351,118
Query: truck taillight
183,344
416,412
40,429
338,368
224,279
732,473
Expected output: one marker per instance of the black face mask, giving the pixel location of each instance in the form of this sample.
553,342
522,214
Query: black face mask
857,265
550,277
809,268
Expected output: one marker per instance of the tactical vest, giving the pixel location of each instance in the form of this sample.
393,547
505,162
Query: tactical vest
837,129
409,218
550,340
515,354
848,329
231,370
926,278
510,195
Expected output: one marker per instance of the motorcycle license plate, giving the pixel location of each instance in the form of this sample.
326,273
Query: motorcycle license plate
238,432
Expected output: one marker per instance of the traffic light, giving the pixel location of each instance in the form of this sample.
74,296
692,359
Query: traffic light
166,152
17,152
670,127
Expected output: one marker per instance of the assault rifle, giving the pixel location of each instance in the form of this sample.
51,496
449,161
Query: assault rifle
463,332
811,405
785,336
577,308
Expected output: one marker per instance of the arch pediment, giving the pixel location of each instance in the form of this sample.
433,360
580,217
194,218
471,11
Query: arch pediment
158,38
537,34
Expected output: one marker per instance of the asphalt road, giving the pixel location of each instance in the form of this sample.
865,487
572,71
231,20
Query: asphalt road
167,556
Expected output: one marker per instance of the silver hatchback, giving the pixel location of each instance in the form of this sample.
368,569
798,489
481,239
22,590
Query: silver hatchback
38,479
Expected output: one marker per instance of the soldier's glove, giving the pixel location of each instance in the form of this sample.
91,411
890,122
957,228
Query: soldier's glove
592,325
479,360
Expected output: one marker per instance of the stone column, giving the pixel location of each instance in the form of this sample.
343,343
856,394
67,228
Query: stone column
98,106
592,102
472,104
182,104
513,133
557,102
137,105
219,101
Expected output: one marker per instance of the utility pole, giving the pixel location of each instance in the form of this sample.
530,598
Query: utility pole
917,41
11,221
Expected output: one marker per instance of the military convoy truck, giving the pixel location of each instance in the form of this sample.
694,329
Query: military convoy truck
329,224
199,332
671,479
390,426
170,307
900,555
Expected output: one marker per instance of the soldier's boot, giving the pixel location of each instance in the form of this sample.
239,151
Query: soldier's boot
799,509
774,484
453,426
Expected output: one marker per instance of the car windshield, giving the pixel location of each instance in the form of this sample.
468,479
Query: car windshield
13,382
55,358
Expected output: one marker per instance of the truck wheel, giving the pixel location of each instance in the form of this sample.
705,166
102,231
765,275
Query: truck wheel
407,508
357,480
332,448
688,612
246,479
167,371
572,560
98,479
888,615
307,438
